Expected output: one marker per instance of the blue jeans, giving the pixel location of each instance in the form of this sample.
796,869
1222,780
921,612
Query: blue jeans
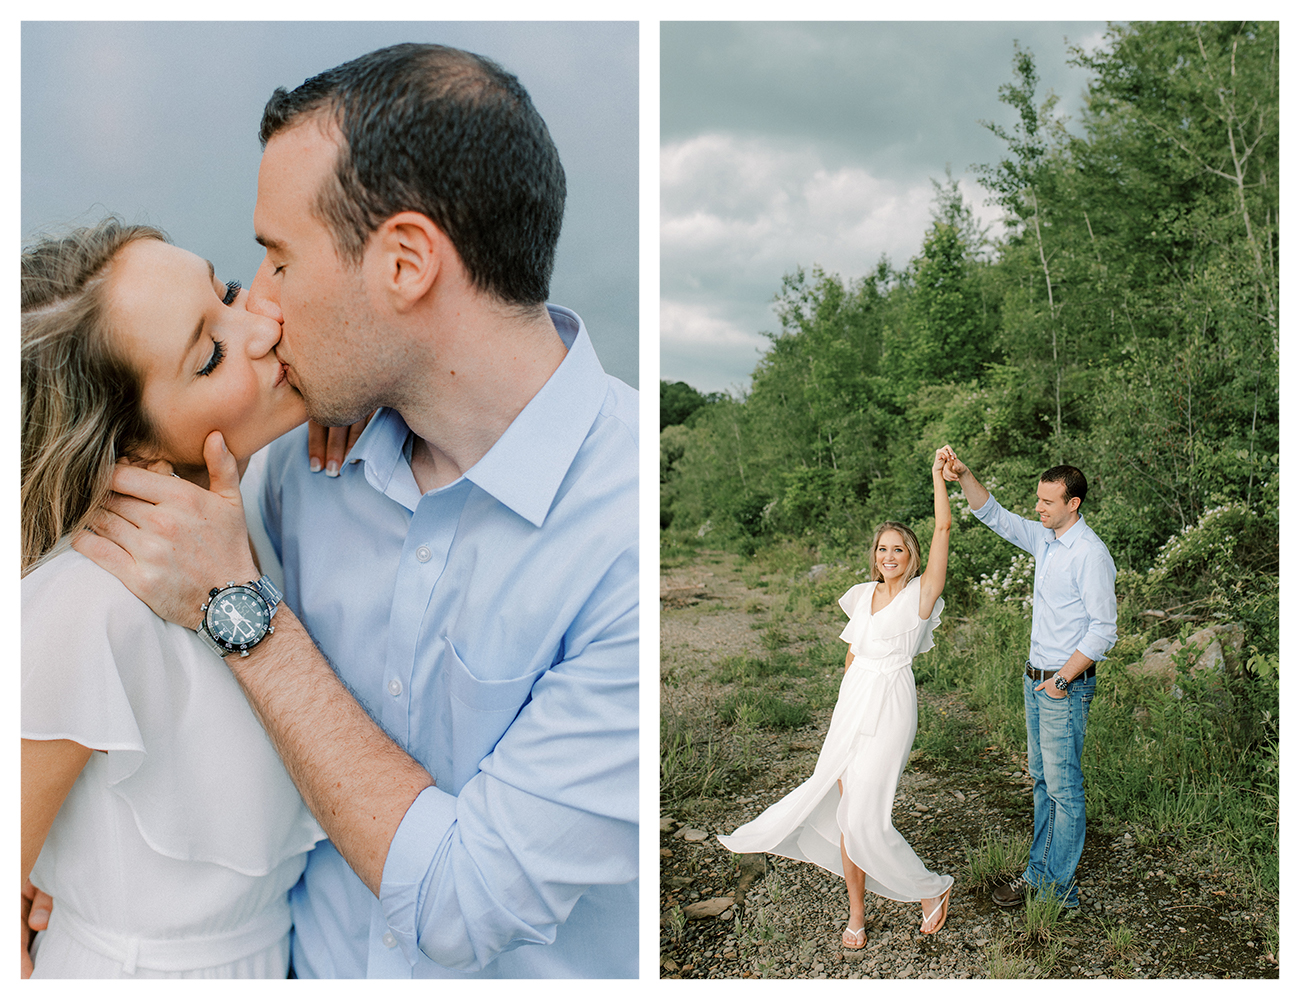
1055,727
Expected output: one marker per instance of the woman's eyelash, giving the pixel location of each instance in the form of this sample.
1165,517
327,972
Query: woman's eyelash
232,291
218,353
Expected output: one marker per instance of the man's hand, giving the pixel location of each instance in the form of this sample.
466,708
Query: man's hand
169,541
34,915
328,446
953,466
1049,686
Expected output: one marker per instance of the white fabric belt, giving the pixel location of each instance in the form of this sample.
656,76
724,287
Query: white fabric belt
177,954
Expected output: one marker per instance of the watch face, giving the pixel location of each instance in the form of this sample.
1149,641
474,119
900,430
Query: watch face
238,618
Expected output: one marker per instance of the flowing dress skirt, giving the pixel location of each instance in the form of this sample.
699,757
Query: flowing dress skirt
866,747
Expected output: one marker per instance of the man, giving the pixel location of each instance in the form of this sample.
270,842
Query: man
1073,627
471,573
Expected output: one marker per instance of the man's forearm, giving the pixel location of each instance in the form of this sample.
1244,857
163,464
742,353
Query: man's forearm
1075,665
354,778
976,495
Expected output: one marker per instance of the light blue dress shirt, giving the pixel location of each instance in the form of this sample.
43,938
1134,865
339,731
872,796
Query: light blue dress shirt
490,626
1074,587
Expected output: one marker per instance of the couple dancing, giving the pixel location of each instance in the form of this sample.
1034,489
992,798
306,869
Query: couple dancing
840,818
449,678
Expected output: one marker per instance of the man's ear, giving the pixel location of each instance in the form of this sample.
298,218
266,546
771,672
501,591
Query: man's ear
406,255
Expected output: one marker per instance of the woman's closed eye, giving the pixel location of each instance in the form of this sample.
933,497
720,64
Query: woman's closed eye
232,292
218,354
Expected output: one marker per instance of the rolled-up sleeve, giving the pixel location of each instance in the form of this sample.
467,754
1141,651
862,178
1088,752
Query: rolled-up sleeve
551,812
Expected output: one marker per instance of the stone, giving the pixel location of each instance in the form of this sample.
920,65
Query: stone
691,835
707,908
1217,647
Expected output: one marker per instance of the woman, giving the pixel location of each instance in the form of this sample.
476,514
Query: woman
840,818
154,809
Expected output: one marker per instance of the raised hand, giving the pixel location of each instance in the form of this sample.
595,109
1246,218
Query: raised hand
954,468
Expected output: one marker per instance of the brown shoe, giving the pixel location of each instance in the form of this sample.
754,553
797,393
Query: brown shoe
1010,895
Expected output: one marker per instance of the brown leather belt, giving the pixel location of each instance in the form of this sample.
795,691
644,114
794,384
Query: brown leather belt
1041,675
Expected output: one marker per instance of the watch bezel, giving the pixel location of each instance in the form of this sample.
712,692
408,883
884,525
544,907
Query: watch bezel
1061,683
226,644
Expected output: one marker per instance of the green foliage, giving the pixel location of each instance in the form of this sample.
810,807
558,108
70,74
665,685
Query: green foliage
677,401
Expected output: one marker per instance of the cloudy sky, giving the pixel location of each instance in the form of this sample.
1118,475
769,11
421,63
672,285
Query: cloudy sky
790,144
157,122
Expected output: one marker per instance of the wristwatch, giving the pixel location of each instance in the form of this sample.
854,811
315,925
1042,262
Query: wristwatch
237,617
1060,682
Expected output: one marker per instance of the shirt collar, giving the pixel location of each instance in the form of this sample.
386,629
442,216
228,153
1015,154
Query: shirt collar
1073,533
524,468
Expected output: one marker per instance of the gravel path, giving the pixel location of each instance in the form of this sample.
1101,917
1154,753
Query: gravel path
1152,907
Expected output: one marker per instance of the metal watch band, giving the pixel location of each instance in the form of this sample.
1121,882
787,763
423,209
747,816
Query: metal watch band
269,591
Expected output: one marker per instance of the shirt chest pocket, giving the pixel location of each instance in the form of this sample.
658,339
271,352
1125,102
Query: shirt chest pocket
477,712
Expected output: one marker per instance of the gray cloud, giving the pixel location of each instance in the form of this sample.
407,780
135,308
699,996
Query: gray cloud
789,144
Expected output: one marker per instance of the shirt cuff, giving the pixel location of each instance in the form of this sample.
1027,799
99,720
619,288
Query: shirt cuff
420,837
1087,651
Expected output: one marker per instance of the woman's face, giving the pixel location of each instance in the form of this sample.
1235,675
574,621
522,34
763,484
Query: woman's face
891,555
207,362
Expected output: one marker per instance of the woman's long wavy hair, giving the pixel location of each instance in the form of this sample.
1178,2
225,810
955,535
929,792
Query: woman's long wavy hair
81,400
913,550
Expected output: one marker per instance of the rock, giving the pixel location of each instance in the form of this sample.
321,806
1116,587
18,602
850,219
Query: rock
1217,647
666,824
691,835
707,908
818,571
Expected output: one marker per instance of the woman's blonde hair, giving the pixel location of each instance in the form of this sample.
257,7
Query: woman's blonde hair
81,398
909,540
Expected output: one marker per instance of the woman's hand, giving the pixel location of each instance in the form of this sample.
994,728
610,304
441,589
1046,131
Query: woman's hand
328,446
34,915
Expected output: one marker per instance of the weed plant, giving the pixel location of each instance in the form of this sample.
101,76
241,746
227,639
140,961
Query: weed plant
996,859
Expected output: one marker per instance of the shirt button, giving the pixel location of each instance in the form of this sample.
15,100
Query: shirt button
423,554
394,687
389,940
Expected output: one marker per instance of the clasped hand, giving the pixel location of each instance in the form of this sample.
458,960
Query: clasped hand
170,541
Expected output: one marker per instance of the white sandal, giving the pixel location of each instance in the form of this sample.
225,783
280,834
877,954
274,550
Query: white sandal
941,910
853,940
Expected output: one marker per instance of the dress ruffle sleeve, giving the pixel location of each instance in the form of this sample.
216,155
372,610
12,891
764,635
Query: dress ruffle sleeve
71,687
856,603
184,750
926,640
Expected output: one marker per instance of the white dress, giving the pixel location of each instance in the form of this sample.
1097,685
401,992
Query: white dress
867,746
174,852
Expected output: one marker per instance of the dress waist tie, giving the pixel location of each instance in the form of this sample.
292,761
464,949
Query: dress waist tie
878,677
180,954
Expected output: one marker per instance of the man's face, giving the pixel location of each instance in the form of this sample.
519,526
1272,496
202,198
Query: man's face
1054,510
328,340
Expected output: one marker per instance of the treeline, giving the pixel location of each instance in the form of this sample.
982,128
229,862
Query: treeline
1126,323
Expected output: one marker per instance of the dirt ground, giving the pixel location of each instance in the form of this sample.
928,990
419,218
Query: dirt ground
1152,907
